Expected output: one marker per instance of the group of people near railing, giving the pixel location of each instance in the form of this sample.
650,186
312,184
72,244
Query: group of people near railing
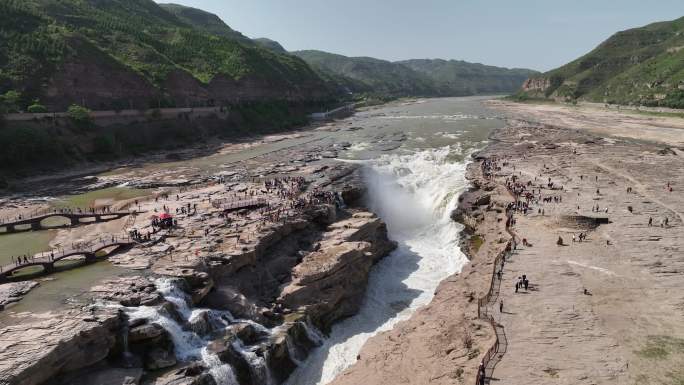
287,188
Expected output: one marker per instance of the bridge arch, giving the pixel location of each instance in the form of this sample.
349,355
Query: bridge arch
28,271
56,221
73,260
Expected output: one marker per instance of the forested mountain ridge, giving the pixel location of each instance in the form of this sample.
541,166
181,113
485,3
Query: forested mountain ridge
461,77
366,74
420,77
205,21
134,53
641,66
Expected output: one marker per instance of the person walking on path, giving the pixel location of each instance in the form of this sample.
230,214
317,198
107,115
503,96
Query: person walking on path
501,306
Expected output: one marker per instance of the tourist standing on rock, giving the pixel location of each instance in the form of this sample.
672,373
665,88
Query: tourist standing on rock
501,306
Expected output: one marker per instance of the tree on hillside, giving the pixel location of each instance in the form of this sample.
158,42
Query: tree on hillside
9,102
36,107
79,115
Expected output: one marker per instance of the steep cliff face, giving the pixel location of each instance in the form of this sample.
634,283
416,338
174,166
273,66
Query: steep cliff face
88,77
540,84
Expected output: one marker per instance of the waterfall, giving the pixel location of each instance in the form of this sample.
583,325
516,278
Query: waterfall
188,345
190,342
222,372
313,334
414,193
128,358
258,365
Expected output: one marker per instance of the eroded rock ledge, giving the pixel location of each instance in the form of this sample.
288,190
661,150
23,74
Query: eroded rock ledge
305,270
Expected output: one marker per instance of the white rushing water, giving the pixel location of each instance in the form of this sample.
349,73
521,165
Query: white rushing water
188,345
415,194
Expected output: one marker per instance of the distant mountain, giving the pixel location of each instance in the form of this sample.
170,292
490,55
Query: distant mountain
365,74
270,44
413,77
460,77
110,54
637,66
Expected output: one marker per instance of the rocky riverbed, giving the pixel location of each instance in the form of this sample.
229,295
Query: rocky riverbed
266,246
234,292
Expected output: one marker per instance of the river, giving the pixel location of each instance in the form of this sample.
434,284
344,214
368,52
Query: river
414,156
414,188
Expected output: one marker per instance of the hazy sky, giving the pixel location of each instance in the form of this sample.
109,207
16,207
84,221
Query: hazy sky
537,34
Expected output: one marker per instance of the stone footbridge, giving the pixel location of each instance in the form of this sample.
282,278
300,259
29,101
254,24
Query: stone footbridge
48,261
34,221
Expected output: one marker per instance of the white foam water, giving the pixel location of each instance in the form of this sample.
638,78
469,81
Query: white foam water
188,345
414,194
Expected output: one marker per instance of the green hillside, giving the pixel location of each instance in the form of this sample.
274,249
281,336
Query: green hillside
365,74
413,77
102,51
637,66
460,77
204,21
270,44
